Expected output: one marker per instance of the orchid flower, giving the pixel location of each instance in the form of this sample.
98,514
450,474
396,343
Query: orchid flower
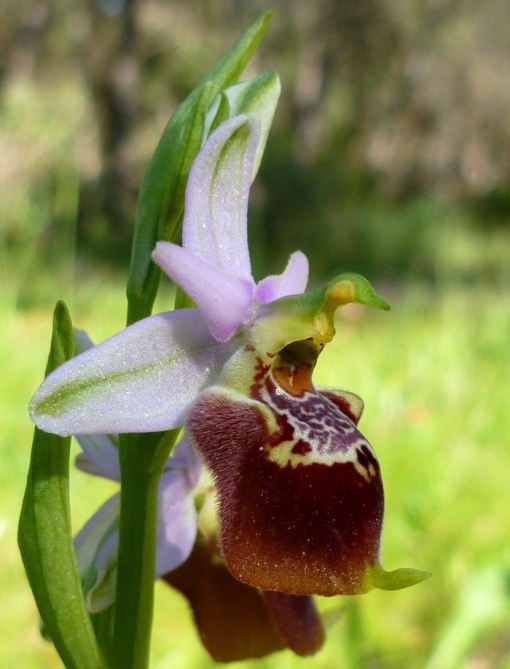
235,621
145,378
97,542
300,496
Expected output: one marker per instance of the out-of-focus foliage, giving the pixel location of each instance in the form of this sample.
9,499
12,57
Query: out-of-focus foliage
390,152
390,155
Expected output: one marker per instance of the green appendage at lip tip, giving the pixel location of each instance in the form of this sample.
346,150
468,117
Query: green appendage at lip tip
396,579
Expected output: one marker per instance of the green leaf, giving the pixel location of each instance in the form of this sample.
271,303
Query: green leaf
161,200
218,112
44,533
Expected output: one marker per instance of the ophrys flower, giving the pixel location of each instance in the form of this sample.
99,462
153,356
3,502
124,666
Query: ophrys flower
300,490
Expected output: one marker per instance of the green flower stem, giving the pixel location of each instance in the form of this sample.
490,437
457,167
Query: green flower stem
102,623
142,458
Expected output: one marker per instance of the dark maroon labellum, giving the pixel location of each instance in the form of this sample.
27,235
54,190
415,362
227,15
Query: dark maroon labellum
300,490
237,622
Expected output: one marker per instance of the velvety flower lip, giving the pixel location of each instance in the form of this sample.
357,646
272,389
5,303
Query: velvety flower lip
238,622
145,378
300,489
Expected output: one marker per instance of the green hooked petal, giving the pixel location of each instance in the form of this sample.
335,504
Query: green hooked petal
311,315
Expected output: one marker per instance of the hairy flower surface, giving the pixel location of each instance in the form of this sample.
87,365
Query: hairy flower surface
235,621
145,378
300,495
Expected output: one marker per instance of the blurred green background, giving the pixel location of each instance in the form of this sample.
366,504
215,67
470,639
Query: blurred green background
390,156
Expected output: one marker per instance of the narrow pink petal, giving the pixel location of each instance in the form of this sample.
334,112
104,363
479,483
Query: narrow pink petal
177,521
215,213
292,281
141,380
223,299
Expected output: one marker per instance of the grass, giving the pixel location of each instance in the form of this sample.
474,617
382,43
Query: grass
435,377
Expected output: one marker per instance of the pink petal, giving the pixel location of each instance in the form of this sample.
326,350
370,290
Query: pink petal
223,299
292,281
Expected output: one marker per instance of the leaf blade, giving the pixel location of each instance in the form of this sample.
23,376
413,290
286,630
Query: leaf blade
44,533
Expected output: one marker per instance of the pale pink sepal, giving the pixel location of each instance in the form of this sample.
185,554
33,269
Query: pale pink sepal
97,542
216,205
96,546
177,521
185,457
141,380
